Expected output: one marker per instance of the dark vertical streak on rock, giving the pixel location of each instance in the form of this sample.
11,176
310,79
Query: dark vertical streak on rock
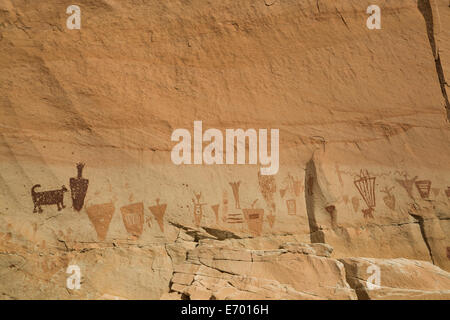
354,283
316,235
427,13
421,222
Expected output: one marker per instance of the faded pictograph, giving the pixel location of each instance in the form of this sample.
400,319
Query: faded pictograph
158,212
293,188
52,197
345,199
78,188
271,219
254,218
407,184
295,185
215,209
291,206
436,191
355,203
268,187
389,198
235,187
339,174
133,218
224,206
234,218
100,216
423,187
447,192
318,142
365,183
148,221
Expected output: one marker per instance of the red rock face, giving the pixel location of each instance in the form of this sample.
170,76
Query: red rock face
362,116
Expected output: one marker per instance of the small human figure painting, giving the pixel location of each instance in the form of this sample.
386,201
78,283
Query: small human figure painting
198,209
389,198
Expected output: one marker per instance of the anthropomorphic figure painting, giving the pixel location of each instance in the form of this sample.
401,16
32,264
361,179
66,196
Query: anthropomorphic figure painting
235,186
133,218
158,211
254,218
78,188
100,215
424,187
198,209
389,198
407,184
365,183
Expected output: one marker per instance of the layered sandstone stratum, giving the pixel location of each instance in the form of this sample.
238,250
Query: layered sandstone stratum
363,119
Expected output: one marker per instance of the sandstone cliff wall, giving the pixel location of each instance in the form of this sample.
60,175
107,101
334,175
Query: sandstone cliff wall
364,148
